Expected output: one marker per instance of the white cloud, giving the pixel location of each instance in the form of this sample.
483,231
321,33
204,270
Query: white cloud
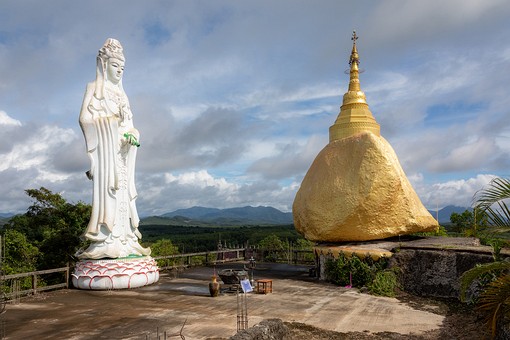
201,179
6,120
454,192
33,152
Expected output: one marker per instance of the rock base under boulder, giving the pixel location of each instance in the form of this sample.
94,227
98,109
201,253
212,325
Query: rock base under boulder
429,267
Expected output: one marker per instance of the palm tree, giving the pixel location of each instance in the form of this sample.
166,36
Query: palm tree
494,300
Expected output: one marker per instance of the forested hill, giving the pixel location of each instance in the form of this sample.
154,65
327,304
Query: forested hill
233,216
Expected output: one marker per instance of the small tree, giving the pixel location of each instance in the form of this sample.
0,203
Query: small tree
53,225
469,222
164,247
273,245
19,254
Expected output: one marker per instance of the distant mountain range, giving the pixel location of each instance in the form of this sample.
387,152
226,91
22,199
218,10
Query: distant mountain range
443,215
243,216
267,215
232,216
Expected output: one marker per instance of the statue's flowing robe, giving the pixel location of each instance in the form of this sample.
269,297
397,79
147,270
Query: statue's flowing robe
110,154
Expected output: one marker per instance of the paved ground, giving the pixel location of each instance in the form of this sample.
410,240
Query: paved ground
144,312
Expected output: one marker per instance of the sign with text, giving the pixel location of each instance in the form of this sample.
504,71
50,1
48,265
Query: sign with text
246,286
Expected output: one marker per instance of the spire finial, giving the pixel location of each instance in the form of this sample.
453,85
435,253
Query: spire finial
354,54
354,37
354,116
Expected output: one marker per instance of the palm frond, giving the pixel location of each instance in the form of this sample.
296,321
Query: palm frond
495,300
498,189
491,201
469,276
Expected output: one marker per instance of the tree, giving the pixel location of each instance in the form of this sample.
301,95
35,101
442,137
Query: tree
164,247
272,242
52,225
273,246
469,222
462,222
19,255
494,300
304,244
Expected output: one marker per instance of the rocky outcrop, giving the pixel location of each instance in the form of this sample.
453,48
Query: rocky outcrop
436,273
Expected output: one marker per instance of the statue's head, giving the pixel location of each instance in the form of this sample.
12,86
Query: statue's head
111,49
111,58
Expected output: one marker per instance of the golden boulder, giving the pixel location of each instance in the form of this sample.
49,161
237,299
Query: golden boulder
356,190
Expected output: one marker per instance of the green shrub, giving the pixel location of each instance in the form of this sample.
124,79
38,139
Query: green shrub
336,270
362,272
385,283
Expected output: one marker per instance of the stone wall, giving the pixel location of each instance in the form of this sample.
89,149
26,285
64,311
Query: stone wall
429,267
435,273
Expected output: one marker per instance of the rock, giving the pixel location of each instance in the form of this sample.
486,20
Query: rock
270,329
436,273
356,190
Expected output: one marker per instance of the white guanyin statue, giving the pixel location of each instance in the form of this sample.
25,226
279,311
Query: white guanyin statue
112,141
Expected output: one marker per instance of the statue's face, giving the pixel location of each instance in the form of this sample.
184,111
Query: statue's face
114,70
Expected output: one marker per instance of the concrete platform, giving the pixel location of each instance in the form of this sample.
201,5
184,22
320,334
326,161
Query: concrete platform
143,312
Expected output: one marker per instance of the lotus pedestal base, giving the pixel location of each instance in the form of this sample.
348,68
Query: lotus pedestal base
120,273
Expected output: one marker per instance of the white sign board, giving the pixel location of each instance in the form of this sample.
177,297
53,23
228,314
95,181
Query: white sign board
246,286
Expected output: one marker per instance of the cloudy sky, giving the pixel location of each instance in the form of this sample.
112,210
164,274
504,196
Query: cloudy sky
234,99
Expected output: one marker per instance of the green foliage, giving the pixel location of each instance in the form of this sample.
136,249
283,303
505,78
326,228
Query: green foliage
274,246
53,226
497,245
272,242
462,221
164,247
468,277
19,255
469,223
199,238
363,272
491,200
303,244
494,300
384,283
441,231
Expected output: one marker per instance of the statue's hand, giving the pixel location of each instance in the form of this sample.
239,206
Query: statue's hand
131,139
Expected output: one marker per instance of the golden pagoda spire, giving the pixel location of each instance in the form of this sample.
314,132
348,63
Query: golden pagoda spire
354,116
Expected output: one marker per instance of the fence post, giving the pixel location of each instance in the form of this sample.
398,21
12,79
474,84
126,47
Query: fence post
34,283
207,258
67,276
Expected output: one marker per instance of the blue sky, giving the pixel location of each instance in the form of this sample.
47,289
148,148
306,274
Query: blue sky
234,99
